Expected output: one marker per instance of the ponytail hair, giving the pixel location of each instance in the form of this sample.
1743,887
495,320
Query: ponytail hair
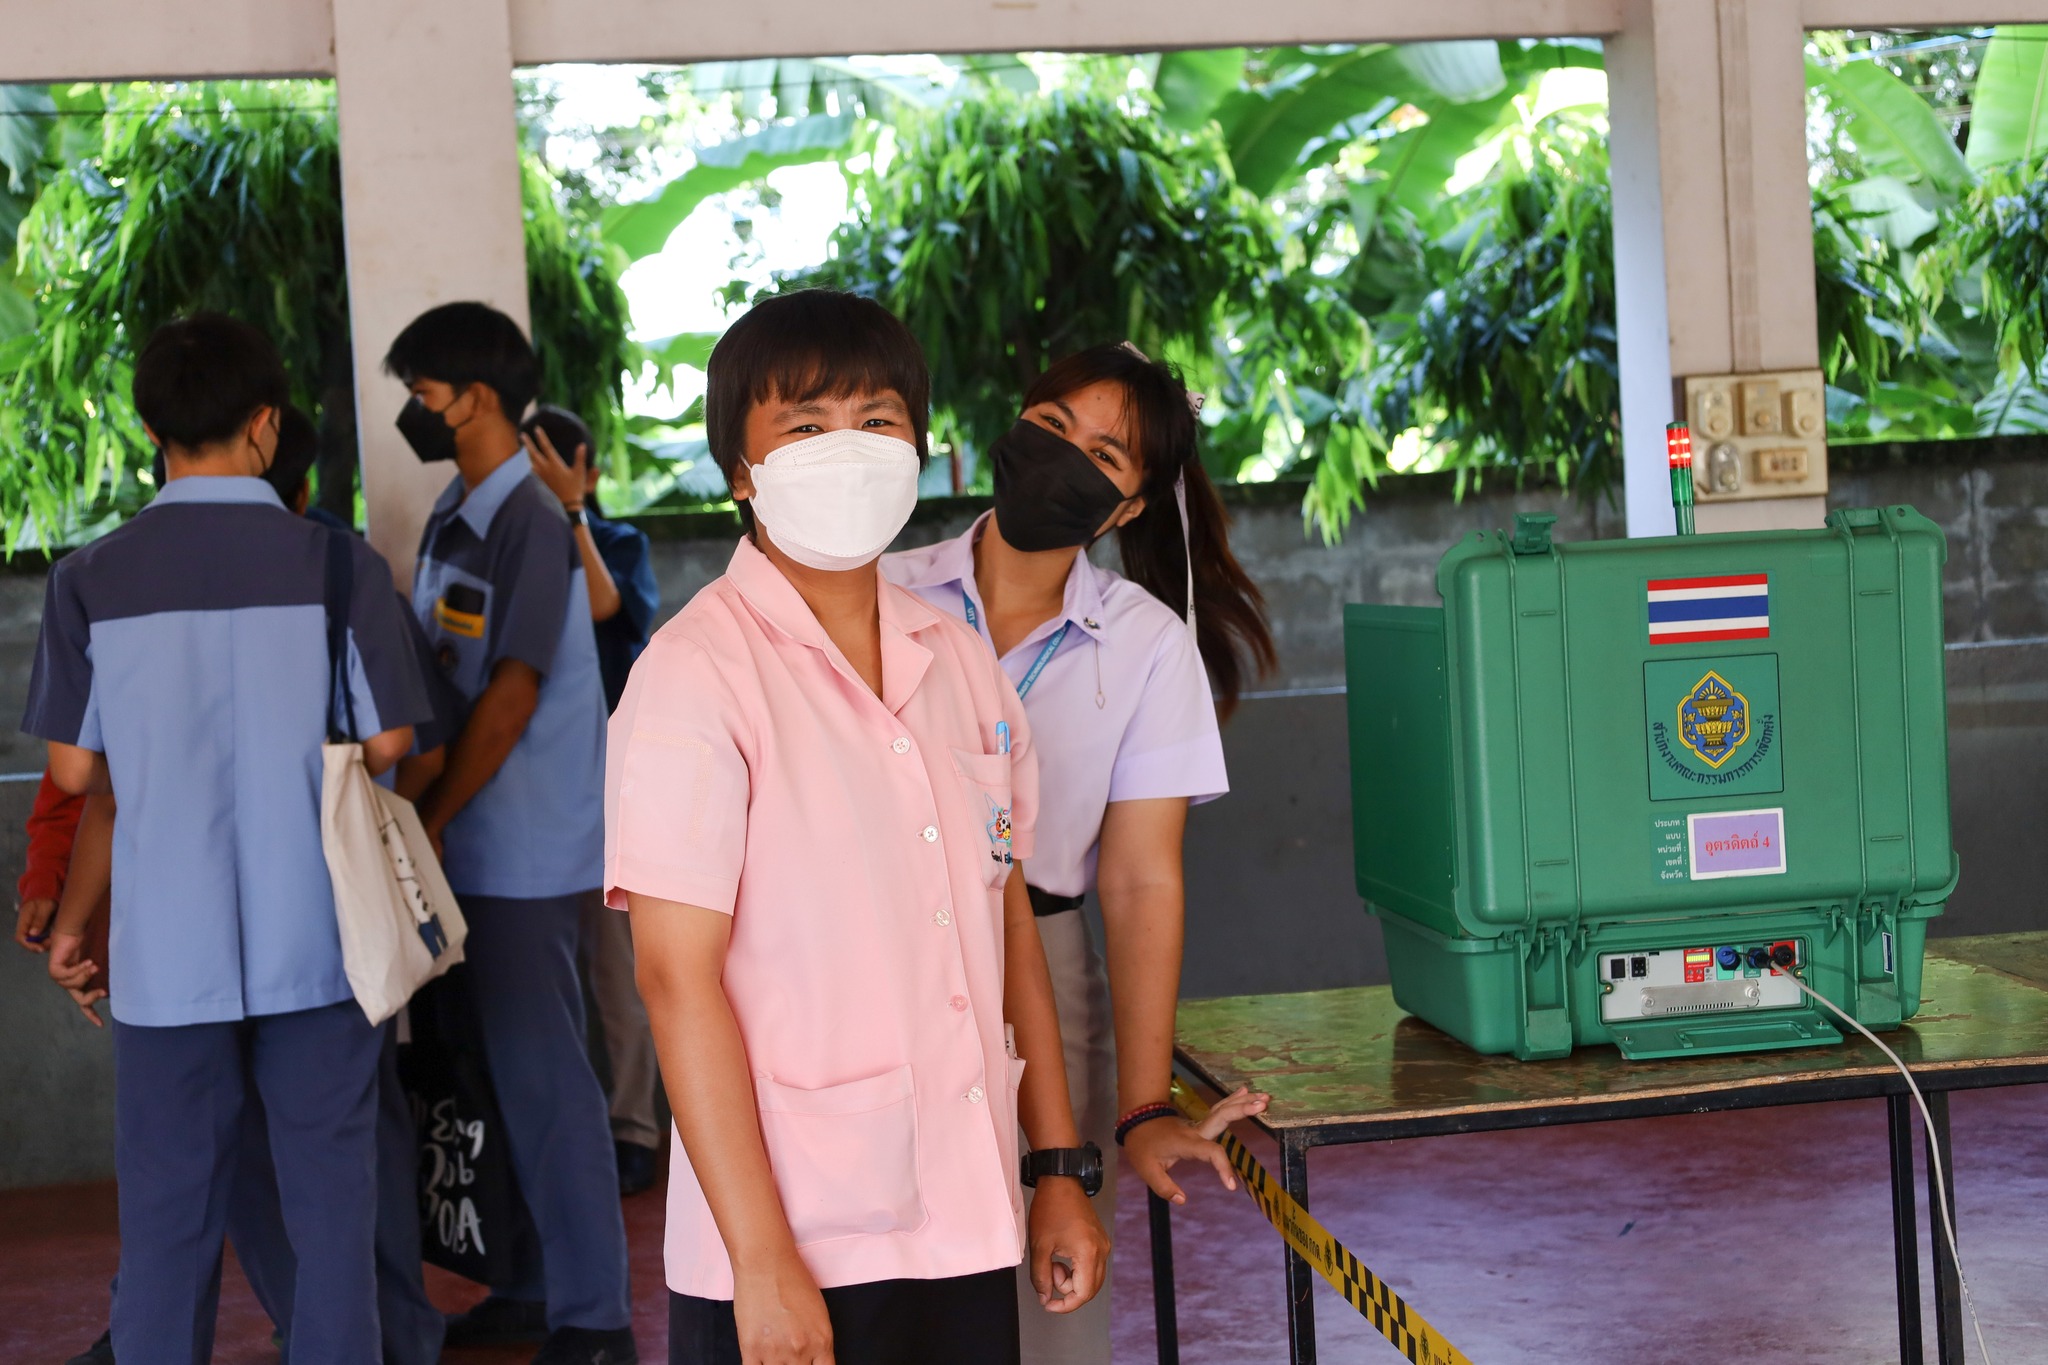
1231,631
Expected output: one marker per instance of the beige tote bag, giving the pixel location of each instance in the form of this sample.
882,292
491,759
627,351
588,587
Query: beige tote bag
400,926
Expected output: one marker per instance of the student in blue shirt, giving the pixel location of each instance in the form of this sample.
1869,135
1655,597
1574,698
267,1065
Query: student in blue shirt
623,599
519,813
182,667
411,1326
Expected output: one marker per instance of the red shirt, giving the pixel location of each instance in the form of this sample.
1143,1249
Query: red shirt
52,828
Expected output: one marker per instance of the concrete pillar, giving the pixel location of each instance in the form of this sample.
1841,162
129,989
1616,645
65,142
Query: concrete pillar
1711,202
430,195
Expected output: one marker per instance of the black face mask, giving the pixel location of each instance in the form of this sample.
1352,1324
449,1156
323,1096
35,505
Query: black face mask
426,431
1050,494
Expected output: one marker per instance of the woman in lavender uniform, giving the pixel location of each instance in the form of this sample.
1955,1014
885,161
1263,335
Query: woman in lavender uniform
1115,672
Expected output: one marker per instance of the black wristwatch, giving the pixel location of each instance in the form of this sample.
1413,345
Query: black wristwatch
575,515
1084,1163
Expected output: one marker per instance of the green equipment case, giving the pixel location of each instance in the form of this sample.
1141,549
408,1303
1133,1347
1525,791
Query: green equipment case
1615,791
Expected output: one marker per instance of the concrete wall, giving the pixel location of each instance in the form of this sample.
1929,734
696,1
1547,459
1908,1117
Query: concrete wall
1271,906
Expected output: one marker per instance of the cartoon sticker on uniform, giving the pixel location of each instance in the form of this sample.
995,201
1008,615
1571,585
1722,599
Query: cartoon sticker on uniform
1713,720
998,828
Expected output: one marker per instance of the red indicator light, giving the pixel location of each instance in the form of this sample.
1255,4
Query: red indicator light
1678,445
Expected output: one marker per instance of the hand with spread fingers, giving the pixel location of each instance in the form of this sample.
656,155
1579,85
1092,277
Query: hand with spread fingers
1153,1148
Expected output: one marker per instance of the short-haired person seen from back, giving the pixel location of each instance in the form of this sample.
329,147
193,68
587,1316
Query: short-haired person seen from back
815,791
618,571
183,668
1111,672
518,811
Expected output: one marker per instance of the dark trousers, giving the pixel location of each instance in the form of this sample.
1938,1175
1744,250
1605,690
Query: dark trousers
964,1320
529,1001
255,1226
411,1325
178,1123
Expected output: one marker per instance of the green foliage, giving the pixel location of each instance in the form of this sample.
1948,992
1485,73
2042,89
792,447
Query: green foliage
1895,131
644,226
220,197
1315,98
1929,261
27,116
1511,362
1010,231
582,324
2001,240
1866,305
2009,117
226,196
1191,83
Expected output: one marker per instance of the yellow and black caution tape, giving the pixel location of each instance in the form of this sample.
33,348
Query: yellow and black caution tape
1387,1311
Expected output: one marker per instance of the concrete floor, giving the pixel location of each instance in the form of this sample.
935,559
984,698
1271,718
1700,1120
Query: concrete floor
1661,1240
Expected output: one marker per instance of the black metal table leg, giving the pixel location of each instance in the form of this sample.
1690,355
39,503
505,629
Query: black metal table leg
1301,1281
1900,1116
1165,1319
1948,1285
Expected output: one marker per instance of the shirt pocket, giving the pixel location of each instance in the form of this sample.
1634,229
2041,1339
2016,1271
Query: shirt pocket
845,1157
987,779
458,623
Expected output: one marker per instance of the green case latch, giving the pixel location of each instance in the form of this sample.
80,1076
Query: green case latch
1532,532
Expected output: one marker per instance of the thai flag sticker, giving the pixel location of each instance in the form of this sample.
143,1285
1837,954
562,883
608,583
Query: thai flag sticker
1685,611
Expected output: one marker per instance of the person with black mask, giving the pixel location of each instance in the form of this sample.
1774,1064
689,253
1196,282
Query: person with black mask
1111,670
518,813
619,573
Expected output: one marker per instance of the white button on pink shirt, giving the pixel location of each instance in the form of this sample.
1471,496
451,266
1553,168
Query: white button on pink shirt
860,844
1154,732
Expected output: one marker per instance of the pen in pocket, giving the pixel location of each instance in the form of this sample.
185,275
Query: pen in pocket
1002,736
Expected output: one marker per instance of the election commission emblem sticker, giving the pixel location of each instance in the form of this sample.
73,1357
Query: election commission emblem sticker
1712,727
998,830
1713,720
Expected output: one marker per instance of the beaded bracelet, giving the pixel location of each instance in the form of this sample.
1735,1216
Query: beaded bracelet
1143,1114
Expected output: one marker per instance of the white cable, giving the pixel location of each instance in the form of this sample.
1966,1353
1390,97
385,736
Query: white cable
1933,1152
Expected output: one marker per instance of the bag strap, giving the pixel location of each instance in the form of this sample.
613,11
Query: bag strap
340,590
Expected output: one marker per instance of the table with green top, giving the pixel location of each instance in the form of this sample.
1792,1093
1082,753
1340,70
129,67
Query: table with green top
1348,1066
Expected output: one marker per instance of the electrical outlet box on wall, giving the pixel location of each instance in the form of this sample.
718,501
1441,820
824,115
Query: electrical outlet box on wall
1758,435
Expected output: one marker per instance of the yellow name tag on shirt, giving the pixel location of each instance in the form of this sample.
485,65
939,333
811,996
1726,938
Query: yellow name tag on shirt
469,625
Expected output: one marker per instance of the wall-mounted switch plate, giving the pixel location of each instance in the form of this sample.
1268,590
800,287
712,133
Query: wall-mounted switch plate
1758,435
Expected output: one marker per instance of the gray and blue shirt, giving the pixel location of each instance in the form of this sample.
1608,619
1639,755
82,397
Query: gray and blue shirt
190,647
499,578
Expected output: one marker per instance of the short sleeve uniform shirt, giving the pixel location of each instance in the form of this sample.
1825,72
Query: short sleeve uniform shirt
621,637
860,844
499,578
190,647
1121,711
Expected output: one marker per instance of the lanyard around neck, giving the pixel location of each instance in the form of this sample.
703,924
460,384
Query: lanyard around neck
1052,645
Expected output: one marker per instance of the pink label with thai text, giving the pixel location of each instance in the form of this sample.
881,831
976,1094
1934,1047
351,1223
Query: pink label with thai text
1737,843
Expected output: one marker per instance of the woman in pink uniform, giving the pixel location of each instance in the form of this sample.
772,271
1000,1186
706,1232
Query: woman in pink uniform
815,789
1111,670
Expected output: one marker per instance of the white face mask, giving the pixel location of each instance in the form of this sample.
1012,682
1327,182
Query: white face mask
834,501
